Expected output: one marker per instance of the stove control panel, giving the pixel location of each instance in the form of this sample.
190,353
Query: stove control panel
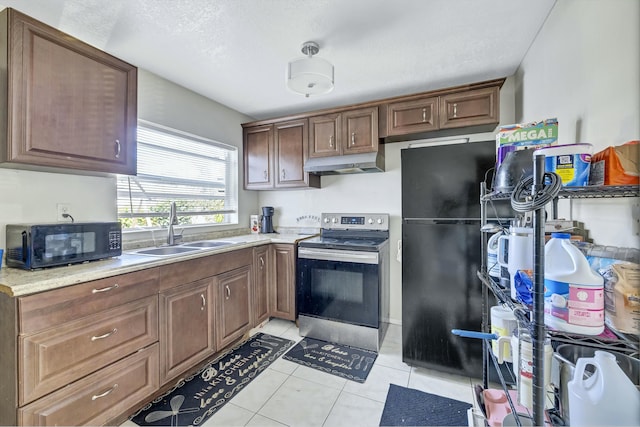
335,221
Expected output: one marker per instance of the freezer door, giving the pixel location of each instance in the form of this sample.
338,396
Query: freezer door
441,292
444,181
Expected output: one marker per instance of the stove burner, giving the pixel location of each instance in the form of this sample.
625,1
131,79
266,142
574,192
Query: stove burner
360,242
328,240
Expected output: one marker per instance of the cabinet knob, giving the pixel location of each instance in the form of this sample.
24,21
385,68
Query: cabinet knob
117,148
353,139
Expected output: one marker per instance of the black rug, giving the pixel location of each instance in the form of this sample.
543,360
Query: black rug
409,407
198,397
342,360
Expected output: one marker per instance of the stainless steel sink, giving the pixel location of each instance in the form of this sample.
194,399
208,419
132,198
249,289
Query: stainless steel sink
207,244
167,250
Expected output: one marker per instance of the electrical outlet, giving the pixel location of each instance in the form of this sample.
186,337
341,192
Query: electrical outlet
63,209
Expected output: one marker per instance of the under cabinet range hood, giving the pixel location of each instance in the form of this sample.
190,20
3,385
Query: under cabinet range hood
350,163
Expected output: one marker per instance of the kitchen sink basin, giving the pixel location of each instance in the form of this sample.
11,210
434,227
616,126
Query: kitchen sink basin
208,244
167,250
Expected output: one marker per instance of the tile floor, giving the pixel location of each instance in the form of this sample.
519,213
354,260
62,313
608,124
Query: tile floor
288,394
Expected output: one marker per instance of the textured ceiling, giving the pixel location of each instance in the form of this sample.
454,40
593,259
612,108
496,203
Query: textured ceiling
236,51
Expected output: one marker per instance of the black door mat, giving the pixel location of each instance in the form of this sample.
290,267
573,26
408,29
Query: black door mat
409,407
196,398
344,361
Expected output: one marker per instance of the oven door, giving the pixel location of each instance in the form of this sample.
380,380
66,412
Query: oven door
339,285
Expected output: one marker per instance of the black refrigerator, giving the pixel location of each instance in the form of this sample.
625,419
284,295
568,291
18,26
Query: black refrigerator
441,254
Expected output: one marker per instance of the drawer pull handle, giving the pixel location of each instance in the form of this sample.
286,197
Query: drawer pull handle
353,139
204,302
117,148
330,141
455,110
108,288
228,291
261,263
424,114
98,396
101,337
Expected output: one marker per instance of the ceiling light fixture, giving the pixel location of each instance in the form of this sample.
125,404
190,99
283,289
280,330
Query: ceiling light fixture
310,76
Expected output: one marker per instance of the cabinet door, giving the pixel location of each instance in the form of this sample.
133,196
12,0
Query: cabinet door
291,152
419,115
232,314
70,104
283,290
324,132
262,277
258,155
186,327
470,108
360,131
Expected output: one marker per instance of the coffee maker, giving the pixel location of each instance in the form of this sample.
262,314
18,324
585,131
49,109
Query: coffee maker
266,223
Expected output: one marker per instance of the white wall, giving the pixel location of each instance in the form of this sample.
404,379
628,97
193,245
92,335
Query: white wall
584,68
32,196
370,192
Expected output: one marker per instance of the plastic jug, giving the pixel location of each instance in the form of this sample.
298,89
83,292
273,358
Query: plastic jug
574,292
515,251
606,398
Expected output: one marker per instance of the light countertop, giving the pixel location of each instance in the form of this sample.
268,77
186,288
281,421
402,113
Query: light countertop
18,282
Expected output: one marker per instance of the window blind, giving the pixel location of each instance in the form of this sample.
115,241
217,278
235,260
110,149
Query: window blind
199,174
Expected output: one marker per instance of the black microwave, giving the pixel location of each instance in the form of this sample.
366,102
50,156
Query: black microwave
31,246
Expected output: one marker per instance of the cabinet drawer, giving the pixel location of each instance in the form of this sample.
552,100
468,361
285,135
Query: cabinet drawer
51,308
420,115
99,397
53,358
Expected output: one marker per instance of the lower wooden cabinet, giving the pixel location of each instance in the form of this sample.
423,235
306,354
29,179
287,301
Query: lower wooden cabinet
100,396
283,299
233,316
187,327
262,270
46,362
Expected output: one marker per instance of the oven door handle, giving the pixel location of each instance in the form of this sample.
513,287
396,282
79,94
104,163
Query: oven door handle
338,255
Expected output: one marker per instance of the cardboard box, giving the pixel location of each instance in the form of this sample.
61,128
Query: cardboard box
616,165
521,136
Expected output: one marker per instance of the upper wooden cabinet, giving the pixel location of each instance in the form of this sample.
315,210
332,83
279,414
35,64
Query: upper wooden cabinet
67,104
470,108
324,132
463,109
258,155
274,156
419,115
349,132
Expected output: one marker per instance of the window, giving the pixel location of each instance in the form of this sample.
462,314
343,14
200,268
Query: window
199,174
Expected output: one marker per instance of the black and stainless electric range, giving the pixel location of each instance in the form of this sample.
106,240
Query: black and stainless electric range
343,280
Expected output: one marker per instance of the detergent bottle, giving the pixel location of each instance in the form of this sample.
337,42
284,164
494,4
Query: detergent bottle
574,292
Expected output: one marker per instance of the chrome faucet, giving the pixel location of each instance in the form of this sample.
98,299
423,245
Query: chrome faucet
173,239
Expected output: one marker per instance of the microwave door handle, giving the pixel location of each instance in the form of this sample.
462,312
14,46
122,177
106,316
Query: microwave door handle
24,246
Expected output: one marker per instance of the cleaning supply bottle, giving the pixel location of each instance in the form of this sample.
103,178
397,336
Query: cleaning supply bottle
606,398
574,292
